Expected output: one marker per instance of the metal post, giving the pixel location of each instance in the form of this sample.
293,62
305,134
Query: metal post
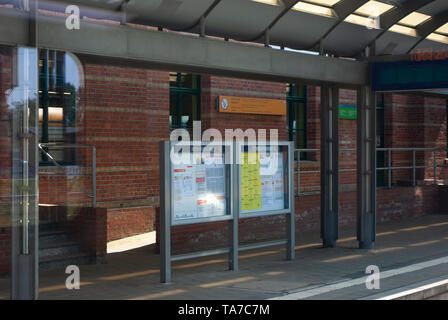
202,27
366,158
413,168
290,225
329,114
435,167
390,168
93,176
298,172
233,257
123,9
25,192
165,210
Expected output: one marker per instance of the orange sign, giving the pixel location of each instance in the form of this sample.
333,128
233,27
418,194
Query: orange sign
252,105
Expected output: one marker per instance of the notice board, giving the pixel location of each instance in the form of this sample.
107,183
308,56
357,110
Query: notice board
262,182
199,190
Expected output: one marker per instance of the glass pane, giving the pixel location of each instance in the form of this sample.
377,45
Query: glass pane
263,179
296,90
190,81
200,189
301,116
174,121
57,104
18,177
189,110
173,79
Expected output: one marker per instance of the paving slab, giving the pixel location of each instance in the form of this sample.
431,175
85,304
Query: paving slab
265,273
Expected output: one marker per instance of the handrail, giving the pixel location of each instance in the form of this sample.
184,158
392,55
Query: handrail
74,181
389,168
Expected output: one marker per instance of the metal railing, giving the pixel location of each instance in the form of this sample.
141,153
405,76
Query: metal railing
92,196
414,166
387,168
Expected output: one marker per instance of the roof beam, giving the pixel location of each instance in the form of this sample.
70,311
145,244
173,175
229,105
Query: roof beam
393,16
202,18
287,6
342,9
125,45
426,28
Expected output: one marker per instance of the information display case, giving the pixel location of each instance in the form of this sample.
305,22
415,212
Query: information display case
205,182
263,179
201,186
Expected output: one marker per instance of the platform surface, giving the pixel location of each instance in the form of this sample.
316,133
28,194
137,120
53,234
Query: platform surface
406,252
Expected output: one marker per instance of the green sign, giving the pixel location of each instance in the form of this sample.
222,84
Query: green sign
347,112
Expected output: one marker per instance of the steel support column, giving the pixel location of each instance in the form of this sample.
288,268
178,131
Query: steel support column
164,215
366,158
24,218
329,158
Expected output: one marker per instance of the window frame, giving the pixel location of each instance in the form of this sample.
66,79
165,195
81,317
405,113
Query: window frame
44,103
180,92
291,100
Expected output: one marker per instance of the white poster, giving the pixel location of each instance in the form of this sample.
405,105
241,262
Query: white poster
198,191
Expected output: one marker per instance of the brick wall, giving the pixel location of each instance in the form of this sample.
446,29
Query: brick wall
124,114
413,121
213,86
409,127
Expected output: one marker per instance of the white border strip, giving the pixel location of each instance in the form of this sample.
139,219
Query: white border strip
310,292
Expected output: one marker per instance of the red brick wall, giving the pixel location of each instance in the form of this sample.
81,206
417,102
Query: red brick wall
129,221
124,114
397,203
414,121
213,86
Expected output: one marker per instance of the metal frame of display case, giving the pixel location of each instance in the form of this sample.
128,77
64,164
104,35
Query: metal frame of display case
233,216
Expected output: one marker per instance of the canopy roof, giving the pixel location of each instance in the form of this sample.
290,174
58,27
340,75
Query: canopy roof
340,27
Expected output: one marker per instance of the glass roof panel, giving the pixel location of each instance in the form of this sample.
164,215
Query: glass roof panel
403,30
443,29
271,2
374,8
326,3
438,37
414,19
354,18
314,9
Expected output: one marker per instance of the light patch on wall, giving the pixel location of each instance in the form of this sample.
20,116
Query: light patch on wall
54,114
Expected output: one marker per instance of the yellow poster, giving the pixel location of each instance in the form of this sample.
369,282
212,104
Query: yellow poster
250,182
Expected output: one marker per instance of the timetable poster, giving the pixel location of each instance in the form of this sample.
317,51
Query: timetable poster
262,185
198,191
250,182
